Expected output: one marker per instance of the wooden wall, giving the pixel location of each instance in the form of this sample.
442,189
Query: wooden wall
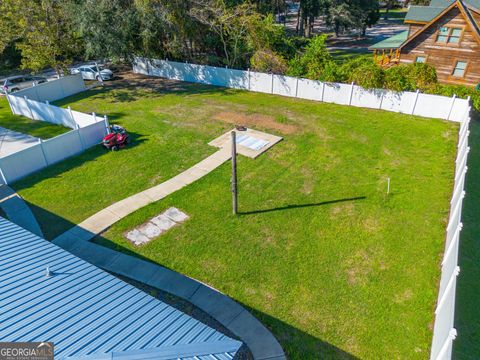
443,56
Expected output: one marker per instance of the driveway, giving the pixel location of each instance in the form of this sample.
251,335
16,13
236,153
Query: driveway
11,141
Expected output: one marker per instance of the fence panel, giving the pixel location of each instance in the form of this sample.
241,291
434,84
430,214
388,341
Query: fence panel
260,82
62,117
237,79
61,147
337,93
19,106
284,85
310,89
55,89
93,134
22,163
369,98
458,109
433,106
140,66
40,111
84,119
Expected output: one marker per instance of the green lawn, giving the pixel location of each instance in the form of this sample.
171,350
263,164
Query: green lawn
334,267
41,129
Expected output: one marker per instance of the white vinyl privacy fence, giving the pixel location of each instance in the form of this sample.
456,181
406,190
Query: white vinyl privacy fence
415,103
87,130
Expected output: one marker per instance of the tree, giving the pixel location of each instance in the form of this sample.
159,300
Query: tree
109,28
230,24
312,63
43,33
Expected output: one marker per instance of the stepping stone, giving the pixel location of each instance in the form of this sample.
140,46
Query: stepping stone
176,215
163,222
137,237
150,230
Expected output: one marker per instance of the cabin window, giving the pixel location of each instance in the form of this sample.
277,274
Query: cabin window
455,35
459,69
442,34
421,59
449,35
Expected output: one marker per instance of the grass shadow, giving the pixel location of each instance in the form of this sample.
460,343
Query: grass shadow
467,311
298,206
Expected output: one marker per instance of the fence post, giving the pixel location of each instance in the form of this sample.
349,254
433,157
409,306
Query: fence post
296,88
451,106
415,102
249,79
2,175
351,93
72,117
323,91
272,83
107,124
381,100
52,118
29,108
40,142
82,144
94,117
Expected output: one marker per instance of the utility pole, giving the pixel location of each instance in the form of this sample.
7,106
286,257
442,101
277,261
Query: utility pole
234,174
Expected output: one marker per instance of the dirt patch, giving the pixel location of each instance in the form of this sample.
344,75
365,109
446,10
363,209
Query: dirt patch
251,120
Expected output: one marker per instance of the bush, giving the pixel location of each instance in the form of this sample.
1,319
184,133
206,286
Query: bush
398,79
313,61
422,75
268,61
368,75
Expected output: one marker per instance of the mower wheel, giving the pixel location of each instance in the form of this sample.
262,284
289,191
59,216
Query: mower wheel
114,148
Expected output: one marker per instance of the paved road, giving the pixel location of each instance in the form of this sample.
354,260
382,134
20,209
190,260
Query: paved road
11,141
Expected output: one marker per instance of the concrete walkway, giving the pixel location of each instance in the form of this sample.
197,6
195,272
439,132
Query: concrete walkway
105,218
226,311
17,210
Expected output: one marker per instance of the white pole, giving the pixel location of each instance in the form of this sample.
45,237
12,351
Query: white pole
351,93
40,142
107,124
451,106
296,88
415,102
388,186
272,82
3,175
74,125
249,79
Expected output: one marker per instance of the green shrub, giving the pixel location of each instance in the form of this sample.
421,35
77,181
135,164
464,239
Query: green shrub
368,75
268,61
312,62
397,79
422,75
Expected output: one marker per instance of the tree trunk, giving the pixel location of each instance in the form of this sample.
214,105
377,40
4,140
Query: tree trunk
298,21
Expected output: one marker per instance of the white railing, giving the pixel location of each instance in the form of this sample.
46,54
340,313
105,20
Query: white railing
87,130
415,103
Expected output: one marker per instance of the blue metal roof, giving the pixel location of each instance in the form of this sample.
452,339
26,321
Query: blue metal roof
88,313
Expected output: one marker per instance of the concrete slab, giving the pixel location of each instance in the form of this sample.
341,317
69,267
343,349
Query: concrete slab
218,305
175,214
99,222
129,205
132,267
137,237
163,222
224,141
12,142
150,230
254,334
174,283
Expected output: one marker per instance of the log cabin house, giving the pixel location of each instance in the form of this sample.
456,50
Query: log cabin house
445,34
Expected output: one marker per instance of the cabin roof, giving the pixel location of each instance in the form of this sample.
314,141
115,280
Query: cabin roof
392,42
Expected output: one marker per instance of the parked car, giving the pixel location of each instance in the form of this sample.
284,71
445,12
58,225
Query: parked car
20,82
89,72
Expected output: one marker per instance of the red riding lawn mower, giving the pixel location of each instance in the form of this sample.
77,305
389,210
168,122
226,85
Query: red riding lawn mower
117,139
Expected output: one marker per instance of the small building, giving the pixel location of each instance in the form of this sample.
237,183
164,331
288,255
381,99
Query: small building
445,34
49,295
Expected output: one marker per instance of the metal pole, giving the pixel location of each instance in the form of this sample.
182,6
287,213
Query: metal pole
234,174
